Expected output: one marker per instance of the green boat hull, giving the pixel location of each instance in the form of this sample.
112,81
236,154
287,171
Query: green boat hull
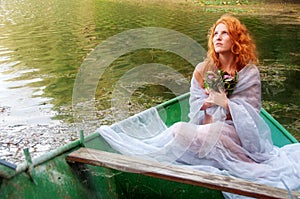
51,176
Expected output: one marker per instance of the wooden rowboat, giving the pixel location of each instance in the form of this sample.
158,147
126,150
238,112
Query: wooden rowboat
89,168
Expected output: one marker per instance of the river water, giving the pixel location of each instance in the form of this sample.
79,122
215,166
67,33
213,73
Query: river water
44,45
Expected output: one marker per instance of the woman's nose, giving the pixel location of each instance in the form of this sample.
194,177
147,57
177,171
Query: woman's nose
217,37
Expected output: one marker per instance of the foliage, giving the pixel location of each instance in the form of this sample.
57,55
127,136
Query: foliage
220,79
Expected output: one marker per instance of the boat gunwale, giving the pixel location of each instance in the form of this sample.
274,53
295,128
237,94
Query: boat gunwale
77,143
23,166
279,126
172,101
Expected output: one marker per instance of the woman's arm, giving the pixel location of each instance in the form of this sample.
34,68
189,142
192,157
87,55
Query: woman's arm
200,80
197,97
206,118
244,105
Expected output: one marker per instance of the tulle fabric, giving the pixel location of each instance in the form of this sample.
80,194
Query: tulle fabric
241,147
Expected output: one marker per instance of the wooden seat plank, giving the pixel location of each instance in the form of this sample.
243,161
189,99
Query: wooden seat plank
178,174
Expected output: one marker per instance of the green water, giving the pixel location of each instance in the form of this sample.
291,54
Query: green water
44,43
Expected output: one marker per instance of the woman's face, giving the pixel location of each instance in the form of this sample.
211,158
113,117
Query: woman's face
221,40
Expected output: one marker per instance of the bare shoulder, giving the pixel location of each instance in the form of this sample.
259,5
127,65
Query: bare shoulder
199,67
197,74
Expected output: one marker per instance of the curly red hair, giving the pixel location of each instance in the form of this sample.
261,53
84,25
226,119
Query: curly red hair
243,46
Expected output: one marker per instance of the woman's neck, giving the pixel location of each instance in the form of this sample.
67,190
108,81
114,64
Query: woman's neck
227,62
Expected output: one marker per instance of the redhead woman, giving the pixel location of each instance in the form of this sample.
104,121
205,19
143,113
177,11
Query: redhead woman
228,124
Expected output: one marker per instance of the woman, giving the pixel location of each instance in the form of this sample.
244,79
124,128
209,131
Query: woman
229,124
226,133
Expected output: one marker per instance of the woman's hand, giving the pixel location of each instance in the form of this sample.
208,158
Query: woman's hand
206,105
218,98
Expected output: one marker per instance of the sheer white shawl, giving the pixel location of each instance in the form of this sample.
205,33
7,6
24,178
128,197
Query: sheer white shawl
244,105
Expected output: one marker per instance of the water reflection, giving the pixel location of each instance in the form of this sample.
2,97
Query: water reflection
44,43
